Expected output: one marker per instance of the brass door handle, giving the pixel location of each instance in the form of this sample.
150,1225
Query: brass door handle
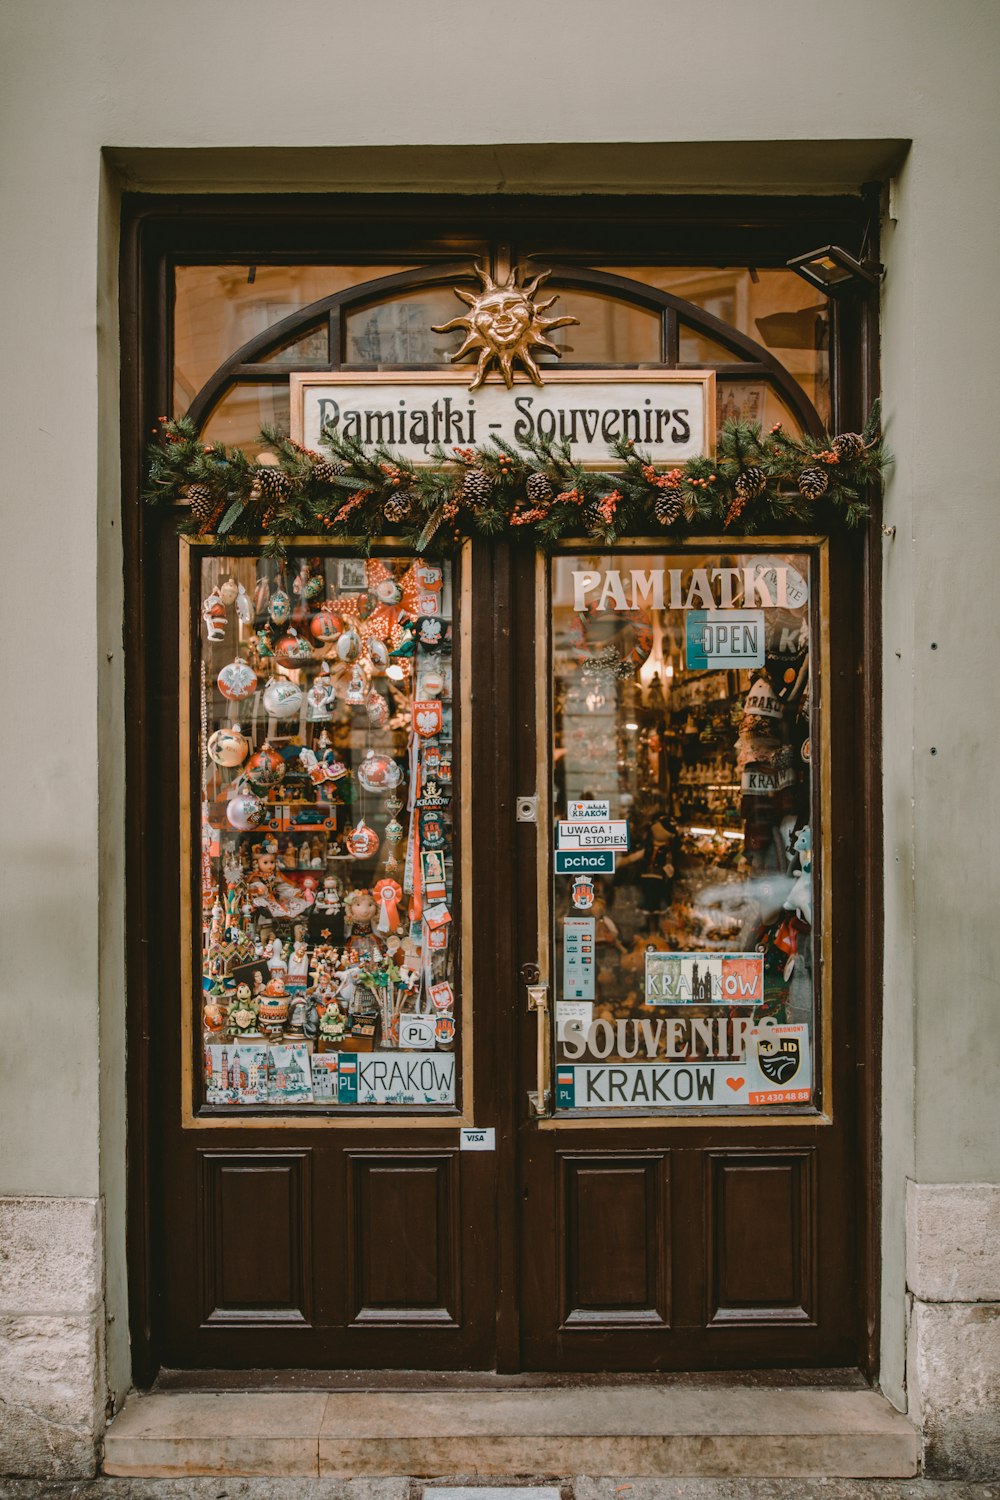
540,1097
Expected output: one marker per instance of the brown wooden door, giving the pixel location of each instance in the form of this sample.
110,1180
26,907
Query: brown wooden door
649,1242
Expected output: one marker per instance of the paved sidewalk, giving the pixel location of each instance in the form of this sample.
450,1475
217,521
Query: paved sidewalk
576,1488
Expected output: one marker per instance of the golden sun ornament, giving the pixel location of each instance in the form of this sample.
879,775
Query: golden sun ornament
505,323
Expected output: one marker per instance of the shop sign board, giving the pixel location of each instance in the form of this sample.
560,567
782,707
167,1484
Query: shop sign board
704,978
670,414
396,1078
585,861
592,810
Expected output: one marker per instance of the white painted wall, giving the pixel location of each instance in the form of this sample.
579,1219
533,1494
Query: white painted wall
280,91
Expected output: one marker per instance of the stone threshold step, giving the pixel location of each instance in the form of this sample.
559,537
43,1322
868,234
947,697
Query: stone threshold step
635,1430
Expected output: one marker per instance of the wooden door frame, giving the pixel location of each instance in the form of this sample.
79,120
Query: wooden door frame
720,230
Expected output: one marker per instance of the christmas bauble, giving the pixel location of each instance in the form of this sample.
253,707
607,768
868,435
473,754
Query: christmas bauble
378,772
228,590
279,607
377,653
293,649
393,832
245,811
349,645
378,710
320,699
388,591
325,627
228,747
266,768
237,680
282,699
362,841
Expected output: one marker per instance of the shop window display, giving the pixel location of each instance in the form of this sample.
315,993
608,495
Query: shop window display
685,831
327,909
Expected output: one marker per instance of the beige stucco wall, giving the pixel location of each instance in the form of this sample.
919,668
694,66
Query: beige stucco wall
713,95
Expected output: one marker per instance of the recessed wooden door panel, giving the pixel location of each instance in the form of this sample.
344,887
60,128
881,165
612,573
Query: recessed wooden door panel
761,1236
613,1240
255,1226
402,1242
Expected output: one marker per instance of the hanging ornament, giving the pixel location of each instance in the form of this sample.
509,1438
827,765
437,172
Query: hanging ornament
228,747
264,648
357,688
244,611
321,698
387,591
228,590
245,811
393,805
237,680
279,607
282,699
265,769
393,830
214,614
378,710
377,653
293,649
325,628
349,645
378,772
362,841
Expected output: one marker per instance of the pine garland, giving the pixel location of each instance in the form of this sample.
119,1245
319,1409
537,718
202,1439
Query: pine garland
535,489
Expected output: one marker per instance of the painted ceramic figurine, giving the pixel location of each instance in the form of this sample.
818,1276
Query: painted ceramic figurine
265,887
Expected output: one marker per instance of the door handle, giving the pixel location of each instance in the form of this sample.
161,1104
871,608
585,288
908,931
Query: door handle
540,1097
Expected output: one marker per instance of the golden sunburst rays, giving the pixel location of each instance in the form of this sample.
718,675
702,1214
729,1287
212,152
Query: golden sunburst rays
505,323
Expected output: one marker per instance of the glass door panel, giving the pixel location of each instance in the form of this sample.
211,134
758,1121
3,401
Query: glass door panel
323,914
686,810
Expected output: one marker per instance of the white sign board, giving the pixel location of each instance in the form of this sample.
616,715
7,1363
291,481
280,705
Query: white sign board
669,414
589,834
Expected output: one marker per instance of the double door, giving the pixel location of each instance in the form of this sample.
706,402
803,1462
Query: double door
611,1122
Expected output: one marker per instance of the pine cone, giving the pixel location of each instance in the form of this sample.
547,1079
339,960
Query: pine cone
325,472
399,506
813,482
849,447
202,503
750,483
271,483
539,489
669,506
592,518
476,488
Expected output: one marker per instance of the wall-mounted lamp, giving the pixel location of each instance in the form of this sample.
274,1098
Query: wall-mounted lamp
836,271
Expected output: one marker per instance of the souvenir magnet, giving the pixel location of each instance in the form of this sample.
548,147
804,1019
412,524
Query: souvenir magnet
431,830
442,996
430,631
417,1032
432,873
445,1029
583,893
426,718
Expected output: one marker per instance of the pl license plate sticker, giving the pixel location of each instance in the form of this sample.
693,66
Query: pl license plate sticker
725,638
392,1078
704,978
781,1051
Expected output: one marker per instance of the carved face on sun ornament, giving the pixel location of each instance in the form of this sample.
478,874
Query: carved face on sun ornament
505,323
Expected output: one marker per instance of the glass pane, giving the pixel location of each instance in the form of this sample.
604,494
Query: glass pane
304,348
400,331
328,911
243,410
217,308
774,307
683,799
753,401
609,332
697,349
